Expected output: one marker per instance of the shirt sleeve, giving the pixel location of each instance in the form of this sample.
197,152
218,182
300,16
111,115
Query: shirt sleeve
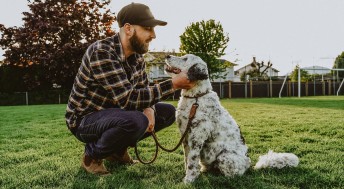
109,73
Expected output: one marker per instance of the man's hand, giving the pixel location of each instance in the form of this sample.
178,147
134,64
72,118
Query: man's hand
149,113
181,81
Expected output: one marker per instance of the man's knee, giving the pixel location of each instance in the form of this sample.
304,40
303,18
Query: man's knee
165,107
136,124
166,113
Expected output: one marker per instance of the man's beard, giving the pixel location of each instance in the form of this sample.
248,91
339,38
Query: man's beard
138,46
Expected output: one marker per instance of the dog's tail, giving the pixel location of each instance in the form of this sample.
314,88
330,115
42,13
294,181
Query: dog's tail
277,160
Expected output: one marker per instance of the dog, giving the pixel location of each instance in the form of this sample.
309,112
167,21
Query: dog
214,141
214,138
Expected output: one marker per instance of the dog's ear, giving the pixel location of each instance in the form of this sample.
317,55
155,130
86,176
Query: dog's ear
197,72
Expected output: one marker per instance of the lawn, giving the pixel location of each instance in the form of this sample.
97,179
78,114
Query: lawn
37,150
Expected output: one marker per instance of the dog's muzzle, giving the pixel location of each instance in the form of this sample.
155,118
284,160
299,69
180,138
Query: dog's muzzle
172,69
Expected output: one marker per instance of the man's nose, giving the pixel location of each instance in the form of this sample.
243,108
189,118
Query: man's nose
153,36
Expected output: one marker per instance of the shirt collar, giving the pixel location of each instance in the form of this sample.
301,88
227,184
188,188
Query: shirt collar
118,47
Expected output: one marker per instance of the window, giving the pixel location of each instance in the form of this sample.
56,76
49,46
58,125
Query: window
161,70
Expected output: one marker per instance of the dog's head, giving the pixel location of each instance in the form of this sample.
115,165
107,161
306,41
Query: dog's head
195,67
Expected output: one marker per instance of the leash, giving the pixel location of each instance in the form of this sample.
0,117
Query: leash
188,127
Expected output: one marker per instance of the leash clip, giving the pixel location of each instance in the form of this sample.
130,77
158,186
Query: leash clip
193,111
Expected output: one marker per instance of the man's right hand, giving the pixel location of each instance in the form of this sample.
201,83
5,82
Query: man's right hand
181,81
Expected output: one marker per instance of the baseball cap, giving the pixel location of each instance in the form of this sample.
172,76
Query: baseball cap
138,14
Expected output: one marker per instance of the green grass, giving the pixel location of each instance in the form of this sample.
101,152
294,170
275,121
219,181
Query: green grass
37,150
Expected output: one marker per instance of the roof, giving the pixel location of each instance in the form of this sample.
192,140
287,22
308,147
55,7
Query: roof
317,70
249,65
254,61
227,61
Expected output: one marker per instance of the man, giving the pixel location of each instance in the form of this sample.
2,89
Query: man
111,105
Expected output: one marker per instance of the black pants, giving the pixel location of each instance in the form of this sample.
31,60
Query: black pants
113,130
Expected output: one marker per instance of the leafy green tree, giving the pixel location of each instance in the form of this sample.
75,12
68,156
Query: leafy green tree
53,39
304,75
207,40
339,63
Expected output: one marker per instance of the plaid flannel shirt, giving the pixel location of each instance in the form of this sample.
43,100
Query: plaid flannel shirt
106,79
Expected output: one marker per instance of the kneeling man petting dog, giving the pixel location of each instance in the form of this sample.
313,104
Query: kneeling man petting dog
214,141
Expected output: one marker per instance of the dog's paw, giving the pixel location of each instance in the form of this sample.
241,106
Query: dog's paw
204,169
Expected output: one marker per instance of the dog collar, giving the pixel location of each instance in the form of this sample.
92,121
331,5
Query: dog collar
197,96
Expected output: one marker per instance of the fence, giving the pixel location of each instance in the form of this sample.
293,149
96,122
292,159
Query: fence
34,97
251,89
256,89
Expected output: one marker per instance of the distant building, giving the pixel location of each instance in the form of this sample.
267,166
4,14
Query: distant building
156,65
317,70
270,72
228,74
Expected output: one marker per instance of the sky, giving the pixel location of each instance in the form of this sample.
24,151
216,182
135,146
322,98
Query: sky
284,32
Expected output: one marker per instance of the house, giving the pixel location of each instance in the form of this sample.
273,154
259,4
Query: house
156,66
270,71
228,74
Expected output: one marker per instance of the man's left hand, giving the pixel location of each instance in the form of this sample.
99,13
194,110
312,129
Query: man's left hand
149,113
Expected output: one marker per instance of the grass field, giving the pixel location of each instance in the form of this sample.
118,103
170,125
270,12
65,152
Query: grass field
37,150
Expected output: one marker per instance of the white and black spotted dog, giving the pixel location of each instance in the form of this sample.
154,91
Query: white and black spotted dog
214,141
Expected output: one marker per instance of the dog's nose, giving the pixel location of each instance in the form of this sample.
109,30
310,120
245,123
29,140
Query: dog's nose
168,56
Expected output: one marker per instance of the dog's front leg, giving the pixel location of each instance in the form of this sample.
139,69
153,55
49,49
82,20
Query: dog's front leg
192,164
186,152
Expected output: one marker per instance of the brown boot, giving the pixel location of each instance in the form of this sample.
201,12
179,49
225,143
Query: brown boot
94,166
125,159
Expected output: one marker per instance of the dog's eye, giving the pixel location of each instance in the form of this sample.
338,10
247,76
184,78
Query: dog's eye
185,59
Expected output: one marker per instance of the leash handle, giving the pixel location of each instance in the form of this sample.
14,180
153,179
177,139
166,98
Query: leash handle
155,155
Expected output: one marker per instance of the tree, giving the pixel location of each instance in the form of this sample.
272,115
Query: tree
9,80
304,75
258,72
53,39
207,40
339,63
260,68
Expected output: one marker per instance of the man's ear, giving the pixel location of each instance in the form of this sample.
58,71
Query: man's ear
197,72
128,29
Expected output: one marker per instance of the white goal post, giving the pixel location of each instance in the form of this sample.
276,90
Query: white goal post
340,86
299,80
